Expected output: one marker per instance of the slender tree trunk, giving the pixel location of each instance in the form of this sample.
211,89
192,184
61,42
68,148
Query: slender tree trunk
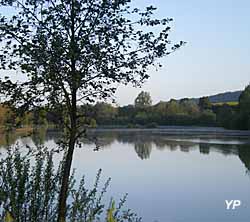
68,162
62,211
65,182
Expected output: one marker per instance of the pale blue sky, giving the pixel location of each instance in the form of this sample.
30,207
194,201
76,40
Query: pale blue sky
216,58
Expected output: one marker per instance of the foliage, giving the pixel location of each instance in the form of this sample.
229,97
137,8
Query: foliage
73,52
225,115
9,119
110,213
244,109
143,100
244,101
231,103
183,112
208,118
236,117
204,103
175,112
79,48
189,106
30,185
39,117
179,112
104,111
3,114
8,217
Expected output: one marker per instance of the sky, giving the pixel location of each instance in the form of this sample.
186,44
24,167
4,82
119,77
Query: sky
215,59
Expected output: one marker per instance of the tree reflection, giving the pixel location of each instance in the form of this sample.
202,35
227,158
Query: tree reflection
143,150
186,147
204,148
39,135
244,155
142,142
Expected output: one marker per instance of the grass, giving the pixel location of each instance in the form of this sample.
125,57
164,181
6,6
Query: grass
232,103
24,129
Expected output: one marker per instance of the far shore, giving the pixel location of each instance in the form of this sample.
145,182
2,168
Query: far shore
177,130
159,130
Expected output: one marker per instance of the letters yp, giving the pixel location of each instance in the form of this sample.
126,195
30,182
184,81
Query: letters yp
232,204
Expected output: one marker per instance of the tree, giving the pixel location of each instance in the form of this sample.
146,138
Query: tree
225,116
3,112
244,109
105,113
141,118
73,52
143,100
204,103
39,117
159,111
208,118
172,107
244,101
189,106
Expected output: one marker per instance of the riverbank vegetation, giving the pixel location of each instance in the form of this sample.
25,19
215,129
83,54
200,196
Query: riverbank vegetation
34,195
184,112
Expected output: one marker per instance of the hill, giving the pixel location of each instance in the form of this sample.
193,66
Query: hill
225,97
220,98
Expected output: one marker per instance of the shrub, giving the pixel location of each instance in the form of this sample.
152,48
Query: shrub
29,190
151,125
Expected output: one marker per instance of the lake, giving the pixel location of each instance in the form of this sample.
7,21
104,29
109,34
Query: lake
168,176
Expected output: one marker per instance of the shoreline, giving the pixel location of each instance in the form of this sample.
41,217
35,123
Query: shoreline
178,131
161,130
18,130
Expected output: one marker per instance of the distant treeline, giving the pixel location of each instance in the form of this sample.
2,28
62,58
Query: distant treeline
143,114
182,112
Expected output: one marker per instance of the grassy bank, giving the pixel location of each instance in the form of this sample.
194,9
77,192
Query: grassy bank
24,129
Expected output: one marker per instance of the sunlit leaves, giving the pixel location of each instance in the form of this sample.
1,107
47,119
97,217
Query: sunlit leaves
8,217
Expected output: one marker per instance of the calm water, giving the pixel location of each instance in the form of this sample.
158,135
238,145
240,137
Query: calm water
169,178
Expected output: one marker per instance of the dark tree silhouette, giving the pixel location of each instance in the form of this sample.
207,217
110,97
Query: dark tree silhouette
72,52
244,108
204,103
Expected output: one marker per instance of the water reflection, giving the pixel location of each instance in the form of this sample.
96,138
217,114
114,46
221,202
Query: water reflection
244,155
143,143
204,148
143,150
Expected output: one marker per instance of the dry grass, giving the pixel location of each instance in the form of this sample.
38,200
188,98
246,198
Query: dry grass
233,103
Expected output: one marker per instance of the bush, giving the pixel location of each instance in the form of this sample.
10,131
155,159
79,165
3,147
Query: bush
29,190
131,125
249,122
208,118
151,125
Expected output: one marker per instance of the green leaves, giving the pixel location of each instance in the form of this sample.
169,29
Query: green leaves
97,42
244,101
110,212
8,217
73,52
143,100
30,188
